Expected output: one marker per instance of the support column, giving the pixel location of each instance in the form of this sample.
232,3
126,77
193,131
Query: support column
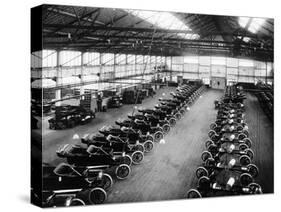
171,73
82,90
114,71
126,64
58,81
135,65
265,72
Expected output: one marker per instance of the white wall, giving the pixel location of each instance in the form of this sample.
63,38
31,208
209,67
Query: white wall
233,69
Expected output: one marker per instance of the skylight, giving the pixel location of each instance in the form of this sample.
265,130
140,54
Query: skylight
164,20
254,25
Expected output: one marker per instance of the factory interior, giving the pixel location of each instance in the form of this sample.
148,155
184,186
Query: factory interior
133,105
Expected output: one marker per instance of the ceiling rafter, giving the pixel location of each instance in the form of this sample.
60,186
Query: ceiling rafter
83,17
71,27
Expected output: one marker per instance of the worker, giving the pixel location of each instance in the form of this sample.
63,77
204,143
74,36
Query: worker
99,102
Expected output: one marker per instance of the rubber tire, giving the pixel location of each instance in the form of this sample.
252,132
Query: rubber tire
123,166
193,191
172,122
137,157
201,171
245,179
243,158
77,202
207,155
253,170
148,146
166,128
158,136
97,196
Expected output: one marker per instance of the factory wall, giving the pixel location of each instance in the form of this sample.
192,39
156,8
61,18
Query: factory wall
232,69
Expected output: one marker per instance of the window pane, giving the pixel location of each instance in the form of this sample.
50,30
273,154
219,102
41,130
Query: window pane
190,59
91,58
70,58
131,58
246,63
107,59
218,61
120,59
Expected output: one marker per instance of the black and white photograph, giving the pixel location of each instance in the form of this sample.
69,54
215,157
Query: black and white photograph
131,105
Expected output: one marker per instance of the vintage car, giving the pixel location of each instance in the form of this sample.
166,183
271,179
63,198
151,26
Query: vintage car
66,185
100,158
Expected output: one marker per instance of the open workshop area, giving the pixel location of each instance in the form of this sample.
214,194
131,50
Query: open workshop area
131,106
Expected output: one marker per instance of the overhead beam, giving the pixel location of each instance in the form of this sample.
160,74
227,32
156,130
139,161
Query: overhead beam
160,46
142,29
83,17
130,38
159,41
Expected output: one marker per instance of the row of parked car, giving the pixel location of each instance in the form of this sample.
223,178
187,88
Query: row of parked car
69,116
266,101
108,155
227,167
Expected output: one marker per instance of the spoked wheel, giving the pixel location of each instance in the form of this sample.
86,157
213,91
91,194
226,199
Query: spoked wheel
212,126
211,133
255,188
250,153
137,157
204,183
217,129
215,138
148,146
248,142
104,181
210,162
126,159
193,193
201,171
244,160
122,171
97,196
242,147
76,202
178,116
208,143
242,136
205,155
139,147
246,179
150,138
213,149
158,136
253,170
182,112
246,132
166,128
172,122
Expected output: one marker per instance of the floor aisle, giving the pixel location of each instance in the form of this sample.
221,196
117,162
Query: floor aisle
170,170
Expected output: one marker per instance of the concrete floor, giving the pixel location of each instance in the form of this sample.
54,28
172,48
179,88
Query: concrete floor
261,133
169,171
